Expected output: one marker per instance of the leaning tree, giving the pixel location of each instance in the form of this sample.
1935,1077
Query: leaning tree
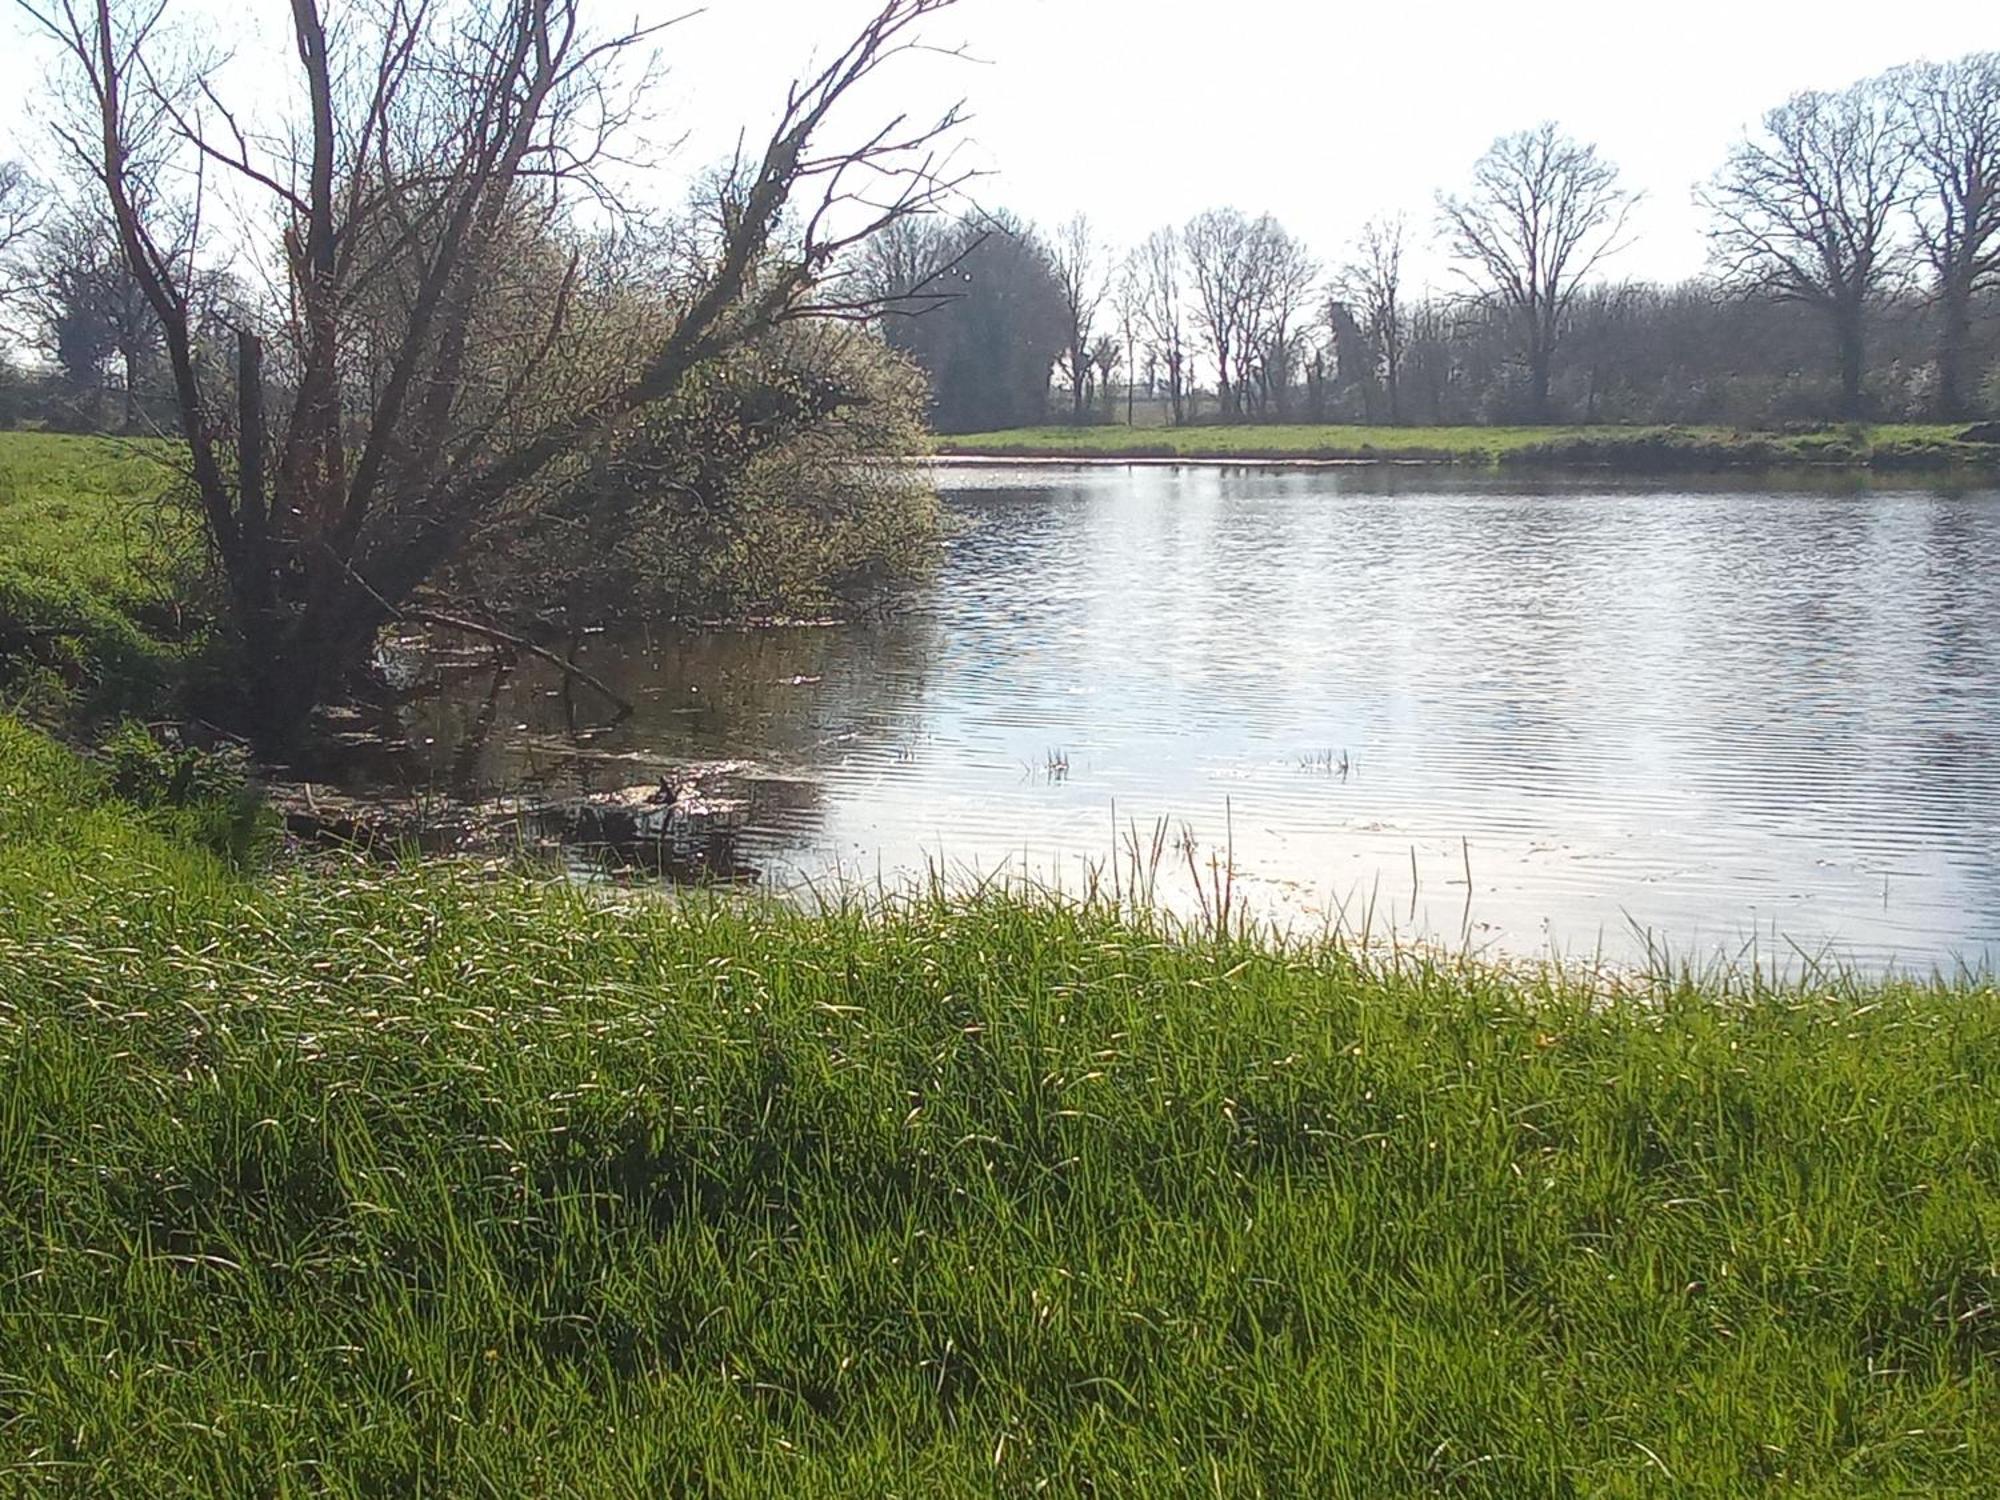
1542,215
425,170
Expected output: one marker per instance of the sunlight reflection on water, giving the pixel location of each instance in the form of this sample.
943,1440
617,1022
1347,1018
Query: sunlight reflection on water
1711,713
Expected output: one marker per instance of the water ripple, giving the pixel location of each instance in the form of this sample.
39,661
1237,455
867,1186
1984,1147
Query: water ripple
1715,715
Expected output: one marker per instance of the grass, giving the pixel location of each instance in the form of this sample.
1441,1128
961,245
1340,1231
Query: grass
1637,449
441,1181
76,510
94,577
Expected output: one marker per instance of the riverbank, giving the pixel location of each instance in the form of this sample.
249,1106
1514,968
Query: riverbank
1627,450
442,1178
95,579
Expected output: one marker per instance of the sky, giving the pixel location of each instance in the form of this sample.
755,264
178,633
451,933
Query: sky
1144,112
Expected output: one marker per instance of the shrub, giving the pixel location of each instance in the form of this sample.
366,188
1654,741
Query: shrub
201,796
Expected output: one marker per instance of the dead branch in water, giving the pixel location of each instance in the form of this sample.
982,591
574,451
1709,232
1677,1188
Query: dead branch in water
520,643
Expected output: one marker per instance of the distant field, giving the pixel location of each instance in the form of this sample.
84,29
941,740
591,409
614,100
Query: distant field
1643,449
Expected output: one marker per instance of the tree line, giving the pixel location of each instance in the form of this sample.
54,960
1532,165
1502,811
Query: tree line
1855,252
436,373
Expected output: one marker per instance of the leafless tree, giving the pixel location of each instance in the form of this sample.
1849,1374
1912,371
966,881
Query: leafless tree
1282,277
84,299
424,168
1106,355
1543,213
21,202
1252,281
1080,271
1217,247
1128,295
1372,284
902,258
1951,116
1604,325
1805,212
1163,312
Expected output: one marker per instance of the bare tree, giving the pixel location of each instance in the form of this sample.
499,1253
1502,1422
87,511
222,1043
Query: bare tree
1805,212
1163,312
92,310
1128,295
424,172
1106,355
1543,213
1372,284
21,202
1281,275
1603,327
1951,116
1217,246
1081,273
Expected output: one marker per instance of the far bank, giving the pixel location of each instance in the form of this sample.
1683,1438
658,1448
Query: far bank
1631,450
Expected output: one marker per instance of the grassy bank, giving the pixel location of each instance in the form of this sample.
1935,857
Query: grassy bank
435,1182
1642,450
94,577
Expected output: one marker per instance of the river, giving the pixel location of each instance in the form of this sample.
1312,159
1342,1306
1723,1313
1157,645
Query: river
1701,719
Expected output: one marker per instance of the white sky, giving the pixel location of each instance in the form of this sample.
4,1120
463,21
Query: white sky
1143,112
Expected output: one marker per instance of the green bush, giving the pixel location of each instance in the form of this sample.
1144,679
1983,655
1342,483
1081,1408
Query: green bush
772,485
201,796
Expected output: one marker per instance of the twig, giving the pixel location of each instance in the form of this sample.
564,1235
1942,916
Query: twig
519,643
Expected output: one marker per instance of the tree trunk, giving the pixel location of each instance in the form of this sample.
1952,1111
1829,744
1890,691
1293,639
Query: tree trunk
1853,362
1954,345
286,678
303,663
252,482
132,366
1538,384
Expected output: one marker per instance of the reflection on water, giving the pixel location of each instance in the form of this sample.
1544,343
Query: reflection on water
1713,715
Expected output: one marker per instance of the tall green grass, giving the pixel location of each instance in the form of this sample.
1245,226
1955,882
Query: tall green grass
84,512
440,1181
97,577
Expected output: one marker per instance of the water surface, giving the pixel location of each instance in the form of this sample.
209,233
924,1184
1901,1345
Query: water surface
1707,718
